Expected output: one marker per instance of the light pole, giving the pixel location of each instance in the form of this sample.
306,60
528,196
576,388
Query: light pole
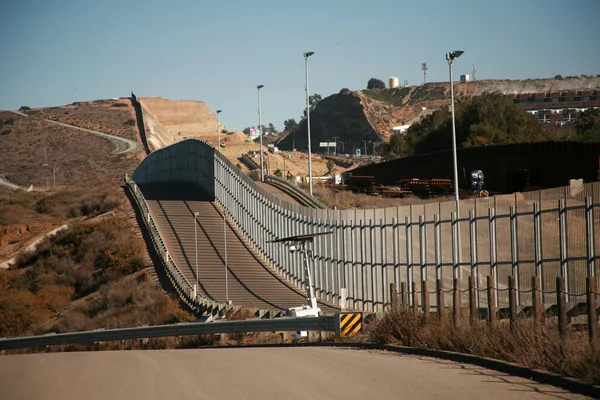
450,57
225,241
45,165
218,131
306,55
262,172
196,242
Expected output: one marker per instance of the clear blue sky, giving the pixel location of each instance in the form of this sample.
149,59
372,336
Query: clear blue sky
57,52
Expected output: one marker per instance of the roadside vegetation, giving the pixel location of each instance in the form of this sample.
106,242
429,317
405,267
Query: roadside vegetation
94,274
523,346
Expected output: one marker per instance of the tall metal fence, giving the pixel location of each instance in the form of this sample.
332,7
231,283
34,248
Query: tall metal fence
547,234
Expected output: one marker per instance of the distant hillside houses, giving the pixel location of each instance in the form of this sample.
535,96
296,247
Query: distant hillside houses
558,108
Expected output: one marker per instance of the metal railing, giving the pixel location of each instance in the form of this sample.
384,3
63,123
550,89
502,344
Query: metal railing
324,324
548,233
183,287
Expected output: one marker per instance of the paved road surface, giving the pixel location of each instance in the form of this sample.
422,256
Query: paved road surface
276,373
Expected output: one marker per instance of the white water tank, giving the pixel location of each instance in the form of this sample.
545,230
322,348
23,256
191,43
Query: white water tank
393,82
465,78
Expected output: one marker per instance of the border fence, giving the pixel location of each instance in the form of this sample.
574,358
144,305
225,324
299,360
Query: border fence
547,234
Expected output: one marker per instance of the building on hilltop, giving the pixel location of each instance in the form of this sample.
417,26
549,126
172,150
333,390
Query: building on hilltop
558,108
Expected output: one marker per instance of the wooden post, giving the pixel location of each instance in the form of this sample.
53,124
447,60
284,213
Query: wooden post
512,302
440,299
426,300
456,302
394,297
491,300
404,295
590,286
561,302
472,300
537,305
415,297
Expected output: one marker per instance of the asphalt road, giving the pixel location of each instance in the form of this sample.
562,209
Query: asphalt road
253,373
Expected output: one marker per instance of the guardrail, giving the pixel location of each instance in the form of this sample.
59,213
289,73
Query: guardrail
324,324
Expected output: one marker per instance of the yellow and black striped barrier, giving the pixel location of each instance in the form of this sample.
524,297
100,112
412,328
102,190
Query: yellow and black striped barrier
350,323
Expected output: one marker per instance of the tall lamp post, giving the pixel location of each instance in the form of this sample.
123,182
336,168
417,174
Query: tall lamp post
196,241
218,131
306,55
262,172
451,56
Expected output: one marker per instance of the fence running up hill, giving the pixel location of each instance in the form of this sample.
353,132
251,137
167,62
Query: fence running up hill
548,233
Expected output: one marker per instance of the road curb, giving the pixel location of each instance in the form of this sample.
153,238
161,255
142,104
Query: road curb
571,384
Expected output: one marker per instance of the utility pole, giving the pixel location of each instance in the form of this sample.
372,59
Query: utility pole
424,69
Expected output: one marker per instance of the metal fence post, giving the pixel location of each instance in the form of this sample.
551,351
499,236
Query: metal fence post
472,300
537,305
395,251
437,246
415,297
456,302
512,302
591,287
473,245
493,261
372,262
589,236
491,300
562,227
409,275
383,255
422,253
426,300
562,310
455,244
514,248
440,298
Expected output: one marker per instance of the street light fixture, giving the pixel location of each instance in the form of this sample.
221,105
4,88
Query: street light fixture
450,57
262,172
218,131
306,55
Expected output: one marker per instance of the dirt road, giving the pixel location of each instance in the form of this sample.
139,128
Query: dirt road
275,373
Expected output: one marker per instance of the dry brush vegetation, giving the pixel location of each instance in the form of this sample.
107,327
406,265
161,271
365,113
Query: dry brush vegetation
92,275
521,346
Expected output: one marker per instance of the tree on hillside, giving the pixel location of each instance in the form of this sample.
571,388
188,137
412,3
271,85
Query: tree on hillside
587,125
247,130
375,83
290,124
272,128
313,100
485,120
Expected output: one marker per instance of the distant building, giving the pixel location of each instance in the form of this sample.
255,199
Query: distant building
557,108
465,78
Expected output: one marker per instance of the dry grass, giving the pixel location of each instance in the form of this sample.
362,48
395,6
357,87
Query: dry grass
75,156
523,346
347,200
249,338
115,117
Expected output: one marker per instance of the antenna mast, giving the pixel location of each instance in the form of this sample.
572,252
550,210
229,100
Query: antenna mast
424,69
474,71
